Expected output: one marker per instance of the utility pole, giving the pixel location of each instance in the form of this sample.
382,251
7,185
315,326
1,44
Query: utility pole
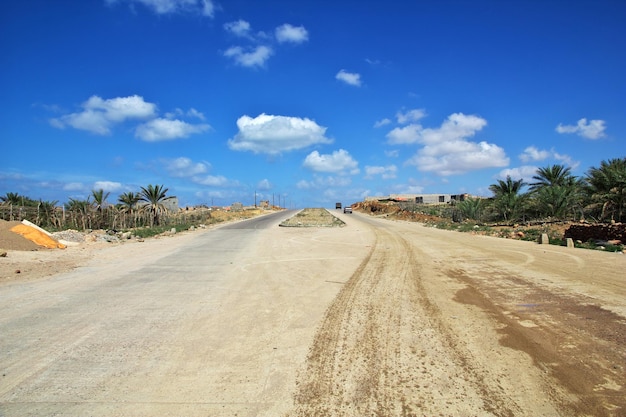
254,198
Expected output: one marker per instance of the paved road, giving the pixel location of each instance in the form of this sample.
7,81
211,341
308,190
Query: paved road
213,325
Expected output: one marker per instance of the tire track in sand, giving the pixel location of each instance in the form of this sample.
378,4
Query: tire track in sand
383,349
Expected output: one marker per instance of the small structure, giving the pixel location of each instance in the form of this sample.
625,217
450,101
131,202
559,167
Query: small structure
420,198
171,204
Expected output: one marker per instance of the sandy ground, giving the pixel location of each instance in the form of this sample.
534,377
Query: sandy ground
376,318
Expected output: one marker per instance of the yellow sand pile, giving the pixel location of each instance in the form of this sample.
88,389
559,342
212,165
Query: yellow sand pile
37,236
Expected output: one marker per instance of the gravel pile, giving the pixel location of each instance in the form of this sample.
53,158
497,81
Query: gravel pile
69,236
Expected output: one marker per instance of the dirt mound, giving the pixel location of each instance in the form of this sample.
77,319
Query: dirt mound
12,241
395,212
313,217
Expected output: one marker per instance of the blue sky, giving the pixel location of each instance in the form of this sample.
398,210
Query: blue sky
312,101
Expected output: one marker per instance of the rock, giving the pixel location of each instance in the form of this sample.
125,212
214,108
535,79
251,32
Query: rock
126,235
90,238
3,254
521,234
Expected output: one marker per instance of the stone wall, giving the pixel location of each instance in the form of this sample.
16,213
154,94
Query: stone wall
605,232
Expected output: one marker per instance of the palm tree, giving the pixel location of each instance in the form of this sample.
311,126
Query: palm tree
606,189
128,204
128,201
556,201
556,191
11,198
46,213
555,175
507,200
19,206
471,208
15,199
100,205
154,196
99,199
79,209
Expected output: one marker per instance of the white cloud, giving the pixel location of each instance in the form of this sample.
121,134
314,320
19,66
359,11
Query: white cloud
109,186
594,129
349,78
208,8
303,185
405,135
184,167
121,108
195,113
565,159
74,186
275,134
292,34
166,129
196,172
257,55
392,153
202,7
382,122
338,162
412,188
531,153
446,150
214,181
252,57
410,116
264,184
239,28
98,116
191,113
320,182
386,172
525,172
459,157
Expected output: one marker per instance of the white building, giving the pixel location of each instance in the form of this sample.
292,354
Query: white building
420,198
